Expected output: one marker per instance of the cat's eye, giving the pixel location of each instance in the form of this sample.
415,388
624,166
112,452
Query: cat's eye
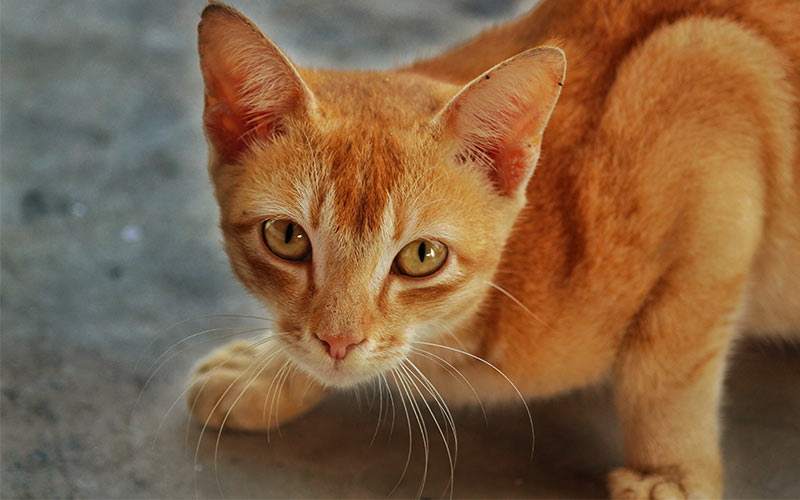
286,239
421,258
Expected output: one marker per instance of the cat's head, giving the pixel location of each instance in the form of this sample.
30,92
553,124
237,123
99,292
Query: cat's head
367,210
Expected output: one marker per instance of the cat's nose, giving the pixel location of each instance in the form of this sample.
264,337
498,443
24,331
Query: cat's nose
339,345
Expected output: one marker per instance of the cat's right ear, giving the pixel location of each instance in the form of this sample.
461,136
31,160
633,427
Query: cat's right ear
250,85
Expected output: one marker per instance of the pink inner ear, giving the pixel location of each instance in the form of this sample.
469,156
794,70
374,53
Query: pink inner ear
498,119
229,124
509,164
511,167
512,155
250,84
225,126
503,137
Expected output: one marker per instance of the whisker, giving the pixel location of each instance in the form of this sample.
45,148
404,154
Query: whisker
517,301
391,399
380,410
449,421
423,428
455,371
255,345
410,378
358,397
245,316
458,340
267,397
440,402
307,387
211,413
410,434
264,366
271,395
432,391
292,368
371,402
160,335
500,372
166,360
182,322
187,388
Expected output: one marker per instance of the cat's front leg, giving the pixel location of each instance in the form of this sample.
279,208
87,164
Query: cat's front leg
667,388
669,416
247,385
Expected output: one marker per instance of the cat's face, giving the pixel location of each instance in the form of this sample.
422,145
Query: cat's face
362,188
366,210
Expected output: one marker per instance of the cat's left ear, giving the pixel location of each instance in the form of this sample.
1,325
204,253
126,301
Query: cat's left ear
497,120
251,87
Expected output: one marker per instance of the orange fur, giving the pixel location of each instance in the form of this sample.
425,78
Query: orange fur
662,219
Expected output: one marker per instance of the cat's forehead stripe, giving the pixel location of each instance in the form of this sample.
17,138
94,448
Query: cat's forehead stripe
363,172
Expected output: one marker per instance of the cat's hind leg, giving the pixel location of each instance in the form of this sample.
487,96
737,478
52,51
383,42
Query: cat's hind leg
249,385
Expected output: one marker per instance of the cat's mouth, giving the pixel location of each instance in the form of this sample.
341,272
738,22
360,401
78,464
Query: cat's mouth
359,366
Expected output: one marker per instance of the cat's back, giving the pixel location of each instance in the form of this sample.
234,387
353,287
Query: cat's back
708,95
758,41
751,51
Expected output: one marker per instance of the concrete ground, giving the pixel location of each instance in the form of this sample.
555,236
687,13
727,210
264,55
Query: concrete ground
109,237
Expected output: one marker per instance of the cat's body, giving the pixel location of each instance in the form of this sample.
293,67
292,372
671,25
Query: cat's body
599,39
662,220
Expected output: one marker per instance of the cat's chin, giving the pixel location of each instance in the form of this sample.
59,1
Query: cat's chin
343,380
339,377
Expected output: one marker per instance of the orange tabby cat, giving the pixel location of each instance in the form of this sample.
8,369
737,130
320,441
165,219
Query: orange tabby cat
379,213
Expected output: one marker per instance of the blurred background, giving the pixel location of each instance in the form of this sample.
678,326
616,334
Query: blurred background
111,255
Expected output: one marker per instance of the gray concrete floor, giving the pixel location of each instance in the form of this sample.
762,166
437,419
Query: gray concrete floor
109,237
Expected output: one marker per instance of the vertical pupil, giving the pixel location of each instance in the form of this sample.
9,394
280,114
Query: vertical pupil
421,252
289,233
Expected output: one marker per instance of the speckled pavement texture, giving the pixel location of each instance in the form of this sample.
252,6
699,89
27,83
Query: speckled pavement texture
109,237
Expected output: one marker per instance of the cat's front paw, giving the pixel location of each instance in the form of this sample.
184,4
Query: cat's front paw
242,386
628,484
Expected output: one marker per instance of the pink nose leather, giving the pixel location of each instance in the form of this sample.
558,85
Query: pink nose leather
338,347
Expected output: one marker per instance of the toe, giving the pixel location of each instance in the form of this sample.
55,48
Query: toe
629,484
